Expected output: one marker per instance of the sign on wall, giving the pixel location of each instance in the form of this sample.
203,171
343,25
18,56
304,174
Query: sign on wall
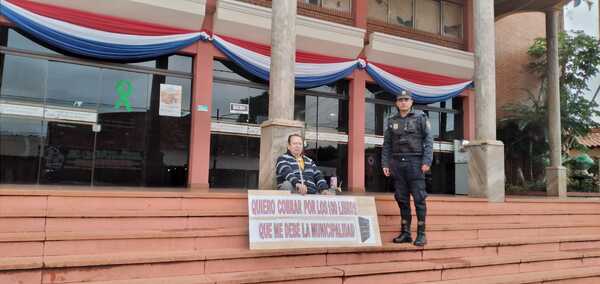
239,108
279,220
170,100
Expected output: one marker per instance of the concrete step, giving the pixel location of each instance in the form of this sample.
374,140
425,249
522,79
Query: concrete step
65,229
316,275
590,275
79,203
455,259
461,269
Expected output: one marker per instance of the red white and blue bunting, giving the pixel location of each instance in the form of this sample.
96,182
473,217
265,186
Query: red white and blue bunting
115,39
93,35
425,87
311,70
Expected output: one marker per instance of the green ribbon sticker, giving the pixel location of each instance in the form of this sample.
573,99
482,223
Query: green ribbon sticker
123,89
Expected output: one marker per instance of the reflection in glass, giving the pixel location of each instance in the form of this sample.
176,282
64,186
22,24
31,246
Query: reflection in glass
428,16
401,13
68,154
453,19
375,181
226,94
73,86
132,145
339,5
234,161
331,159
18,41
23,79
378,10
20,149
325,114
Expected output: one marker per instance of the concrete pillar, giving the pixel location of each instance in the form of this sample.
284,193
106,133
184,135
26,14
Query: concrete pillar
556,174
274,132
486,162
198,167
468,110
356,133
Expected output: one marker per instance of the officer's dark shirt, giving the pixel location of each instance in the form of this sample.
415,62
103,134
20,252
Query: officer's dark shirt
410,135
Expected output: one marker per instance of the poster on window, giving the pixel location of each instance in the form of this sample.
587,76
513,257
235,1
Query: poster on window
291,221
170,100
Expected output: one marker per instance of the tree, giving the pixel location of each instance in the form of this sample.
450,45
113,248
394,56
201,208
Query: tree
524,130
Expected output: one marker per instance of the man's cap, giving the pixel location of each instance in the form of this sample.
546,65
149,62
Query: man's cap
404,95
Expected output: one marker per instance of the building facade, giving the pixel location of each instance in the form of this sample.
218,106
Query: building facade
63,119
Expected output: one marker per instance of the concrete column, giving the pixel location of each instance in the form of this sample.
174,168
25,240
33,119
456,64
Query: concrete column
198,169
274,132
556,180
486,162
468,110
356,133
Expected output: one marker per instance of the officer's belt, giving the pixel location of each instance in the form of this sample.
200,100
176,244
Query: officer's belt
407,155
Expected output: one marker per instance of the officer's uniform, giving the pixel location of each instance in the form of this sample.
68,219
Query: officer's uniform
407,145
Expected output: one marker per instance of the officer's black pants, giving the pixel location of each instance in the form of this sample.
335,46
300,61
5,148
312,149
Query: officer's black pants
409,179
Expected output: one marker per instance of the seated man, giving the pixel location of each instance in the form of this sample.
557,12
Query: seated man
298,173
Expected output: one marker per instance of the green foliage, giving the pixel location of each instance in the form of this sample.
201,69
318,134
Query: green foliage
524,129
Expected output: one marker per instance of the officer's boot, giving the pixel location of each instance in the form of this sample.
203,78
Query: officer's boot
420,240
404,236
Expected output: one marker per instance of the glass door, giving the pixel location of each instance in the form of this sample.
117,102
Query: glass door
68,153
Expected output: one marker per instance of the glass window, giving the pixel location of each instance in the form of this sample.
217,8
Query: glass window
453,19
180,63
73,86
331,116
339,5
68,154
322,113
401,13
120,146
331,159
323,108
428,16
124,91
424,15
227,70
137,147
19,41
378,10
379,108
375,181
234,161
20,149
131,145
23,79
225,94
441,178
434,119
376,117
224,70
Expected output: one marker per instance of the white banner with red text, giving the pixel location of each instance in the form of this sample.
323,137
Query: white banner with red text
279,220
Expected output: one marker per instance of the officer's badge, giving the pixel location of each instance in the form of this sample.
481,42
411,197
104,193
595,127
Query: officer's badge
395,126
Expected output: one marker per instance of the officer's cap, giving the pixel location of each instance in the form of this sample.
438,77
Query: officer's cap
403,95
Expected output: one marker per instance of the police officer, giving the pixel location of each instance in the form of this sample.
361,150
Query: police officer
406,157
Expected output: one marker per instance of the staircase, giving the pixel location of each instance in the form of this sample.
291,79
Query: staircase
122,237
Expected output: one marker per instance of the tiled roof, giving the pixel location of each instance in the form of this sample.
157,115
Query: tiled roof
592,139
